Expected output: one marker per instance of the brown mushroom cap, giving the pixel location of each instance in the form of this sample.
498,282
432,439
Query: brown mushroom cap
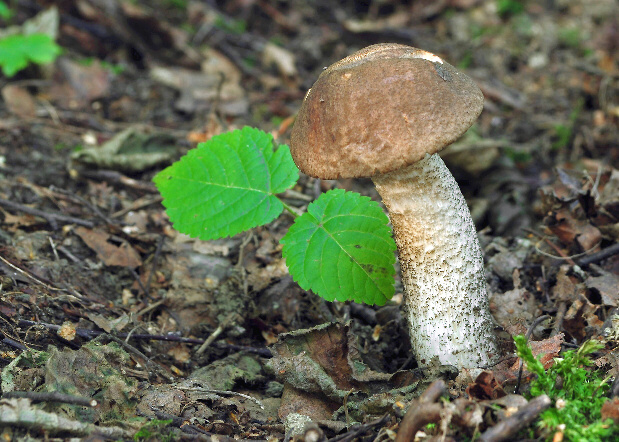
380,109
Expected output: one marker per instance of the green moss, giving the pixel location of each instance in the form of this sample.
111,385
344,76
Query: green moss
570,37
507,8
578,393
154,430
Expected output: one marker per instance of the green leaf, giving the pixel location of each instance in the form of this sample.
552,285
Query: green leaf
342,249
17,51
227,185
5,12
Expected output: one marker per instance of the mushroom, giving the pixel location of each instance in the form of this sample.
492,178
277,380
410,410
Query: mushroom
384,112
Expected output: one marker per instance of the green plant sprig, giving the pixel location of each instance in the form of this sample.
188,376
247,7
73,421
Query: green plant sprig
5,12
341,248
18,51
578,393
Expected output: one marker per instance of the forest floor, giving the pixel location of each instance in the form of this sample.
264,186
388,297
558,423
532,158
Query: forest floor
178,338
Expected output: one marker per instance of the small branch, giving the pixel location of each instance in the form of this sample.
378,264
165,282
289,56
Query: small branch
52,218
30,275
153,367
359,430
221,393
294,195
138,204
188,428
598,256
561,254
507,428
153,268
14,343
53,396
137,279
219,330
290,209
118,178
558,325
91,334
18,413
422,411
76,198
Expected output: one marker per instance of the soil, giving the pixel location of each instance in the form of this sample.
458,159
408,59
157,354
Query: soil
100,299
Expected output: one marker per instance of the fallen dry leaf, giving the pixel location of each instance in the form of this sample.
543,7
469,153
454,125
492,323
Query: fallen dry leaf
610,410
486,386
219,82
76,85
283,59
122,255
515,307
570,229
180,353
19,101
607,285
321,369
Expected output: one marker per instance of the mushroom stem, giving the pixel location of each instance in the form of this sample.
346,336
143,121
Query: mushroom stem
445,299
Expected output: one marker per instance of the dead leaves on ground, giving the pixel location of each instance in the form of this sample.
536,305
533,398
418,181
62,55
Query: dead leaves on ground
581,217
120,254
247,75
582,208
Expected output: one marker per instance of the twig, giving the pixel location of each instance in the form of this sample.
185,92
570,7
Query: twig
188,428
292,194
31,276
507,428
8,339
53,396
18,413
76,198
138,204
494,364
295,213
358,430
276,15
153,367
556,328
182,424
150,307
52,218
598,256
68,254
364,312
53,246
139,281
422,411
91,334
544,238
118,178
14,343
221,393
224,324
509,97
149,280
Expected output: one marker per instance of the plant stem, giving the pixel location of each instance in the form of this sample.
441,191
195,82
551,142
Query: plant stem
289,208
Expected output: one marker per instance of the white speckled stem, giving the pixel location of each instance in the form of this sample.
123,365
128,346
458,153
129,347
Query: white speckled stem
445,300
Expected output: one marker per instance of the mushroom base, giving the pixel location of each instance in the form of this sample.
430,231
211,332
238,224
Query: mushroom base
445,300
